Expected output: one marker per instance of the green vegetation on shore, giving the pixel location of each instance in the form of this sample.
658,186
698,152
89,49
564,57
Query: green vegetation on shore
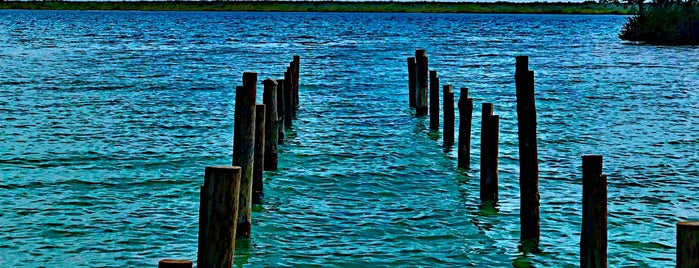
329,6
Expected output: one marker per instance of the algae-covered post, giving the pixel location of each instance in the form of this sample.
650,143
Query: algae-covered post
448,95
465,116
688,244
288,98
528,156
421,69
281,109
170,263
244,147
411,81
297,67
490,131
259,160
434,101
269,98
218,211
593,238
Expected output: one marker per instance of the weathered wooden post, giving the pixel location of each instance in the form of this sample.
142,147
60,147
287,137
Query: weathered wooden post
421,69
259,160
218,213
170,263
411,81
297,69
281,109
688,244
528,156
244,147
269,98
490,132
448,116
465,116
434,101
593,238
288,99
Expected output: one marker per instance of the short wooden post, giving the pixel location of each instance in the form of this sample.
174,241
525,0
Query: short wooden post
434,101
528,156
465,116
281,109
169,263
288,99
244,147
421,68
490,132
259,162
218,212
269,98
688,244
297,67
593,238
411,81
448,116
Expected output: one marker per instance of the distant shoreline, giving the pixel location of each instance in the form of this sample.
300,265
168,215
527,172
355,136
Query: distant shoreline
329,6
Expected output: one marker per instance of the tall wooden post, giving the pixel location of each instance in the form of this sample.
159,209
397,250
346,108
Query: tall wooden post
411,81
244,147
448,116
281,109
687,244
269,98
288,99
421,68
593,238
169,263
218,212
528,156
465,116
490,132
259,162
434,101
297,69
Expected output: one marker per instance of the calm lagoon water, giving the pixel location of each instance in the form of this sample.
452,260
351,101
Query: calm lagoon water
109,118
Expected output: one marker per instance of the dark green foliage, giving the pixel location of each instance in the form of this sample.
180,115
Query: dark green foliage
667,24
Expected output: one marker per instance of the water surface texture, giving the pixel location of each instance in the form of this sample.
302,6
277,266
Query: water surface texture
109,118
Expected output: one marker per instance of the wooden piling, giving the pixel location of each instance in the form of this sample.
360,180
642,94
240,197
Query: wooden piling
244,147
490,132
281,110
169,263
288,98
528,156
259,162
421,69
434,101
687,244
411,81
593,238
218,213
465,118
297,69
449,117
269,98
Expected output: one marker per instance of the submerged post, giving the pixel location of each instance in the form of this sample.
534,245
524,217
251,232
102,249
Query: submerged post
465,116
528,156
244,147
434,101
169,263
297,67
411,81
269,98
688,244
421,69
288,99
490,133
448,116
218,212
593,238
281,109
259,162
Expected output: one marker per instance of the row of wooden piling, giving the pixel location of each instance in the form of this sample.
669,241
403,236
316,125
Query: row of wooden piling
593,241
229,192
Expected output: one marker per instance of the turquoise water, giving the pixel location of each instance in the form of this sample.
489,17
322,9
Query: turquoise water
109,118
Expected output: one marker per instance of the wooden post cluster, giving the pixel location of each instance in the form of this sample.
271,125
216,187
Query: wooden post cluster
688,244
528,156
434,101
465,118
411,81
421,69
449,116
593,238
490,132
218,216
